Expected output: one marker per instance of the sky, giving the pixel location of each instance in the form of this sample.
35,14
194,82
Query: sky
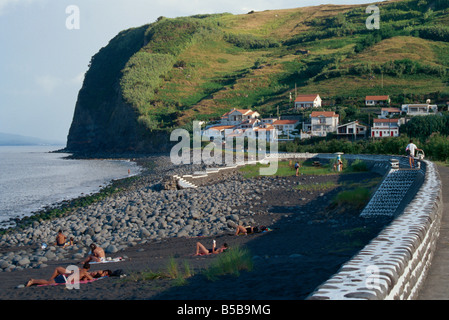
46,46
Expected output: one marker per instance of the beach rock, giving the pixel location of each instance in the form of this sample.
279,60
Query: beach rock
23,261
111,249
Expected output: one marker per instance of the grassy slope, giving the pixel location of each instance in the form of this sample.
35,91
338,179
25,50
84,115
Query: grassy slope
213,75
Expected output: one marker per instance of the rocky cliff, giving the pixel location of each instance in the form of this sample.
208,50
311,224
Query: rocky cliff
103,122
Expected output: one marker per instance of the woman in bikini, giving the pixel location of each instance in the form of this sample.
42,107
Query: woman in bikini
202,250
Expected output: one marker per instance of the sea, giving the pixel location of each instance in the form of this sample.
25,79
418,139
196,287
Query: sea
33,178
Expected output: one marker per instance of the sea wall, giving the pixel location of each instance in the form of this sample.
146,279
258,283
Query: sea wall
395,263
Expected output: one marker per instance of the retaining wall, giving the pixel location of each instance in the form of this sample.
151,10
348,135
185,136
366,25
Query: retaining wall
395,263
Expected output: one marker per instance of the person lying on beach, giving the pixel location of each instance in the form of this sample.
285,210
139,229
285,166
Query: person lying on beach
201,249
62,275
96,254
60,239
101,273
249,230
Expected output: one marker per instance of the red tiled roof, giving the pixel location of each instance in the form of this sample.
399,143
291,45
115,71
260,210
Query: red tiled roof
385,120
281,122
327,114
377,98
306,97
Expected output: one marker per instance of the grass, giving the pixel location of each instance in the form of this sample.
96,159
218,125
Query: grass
171,272
356,198
230,262
287,168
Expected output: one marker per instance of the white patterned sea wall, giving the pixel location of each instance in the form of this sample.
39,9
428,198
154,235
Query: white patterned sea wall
395,263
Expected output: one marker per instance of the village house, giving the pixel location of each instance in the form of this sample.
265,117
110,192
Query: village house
308,101
248,124
423,109
216,133
352,130
386,128
237,116
389,112
323,122
377,100
285,126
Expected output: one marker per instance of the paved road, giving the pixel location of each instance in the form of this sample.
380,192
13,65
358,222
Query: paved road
436,285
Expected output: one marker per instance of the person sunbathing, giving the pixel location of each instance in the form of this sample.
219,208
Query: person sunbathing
96,254
248,230
202,250
62,275
101,273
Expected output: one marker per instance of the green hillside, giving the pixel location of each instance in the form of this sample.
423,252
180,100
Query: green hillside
201,66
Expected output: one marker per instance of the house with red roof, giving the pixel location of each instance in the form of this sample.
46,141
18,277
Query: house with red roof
371,101
304,101
323,122
285,126
237,116
386,128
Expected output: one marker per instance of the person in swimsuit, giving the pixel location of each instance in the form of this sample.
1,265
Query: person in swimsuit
61,239
202,250
96,254
62,275
248,230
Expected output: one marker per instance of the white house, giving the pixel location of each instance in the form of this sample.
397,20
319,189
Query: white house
389,112
377,100
352,129
386,128
216,132
308,101
419,109
248,124
236,116
323,122
285,126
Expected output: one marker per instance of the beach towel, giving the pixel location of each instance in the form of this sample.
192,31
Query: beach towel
80,282
108,260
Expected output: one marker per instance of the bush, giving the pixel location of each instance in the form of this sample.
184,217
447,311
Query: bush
248,41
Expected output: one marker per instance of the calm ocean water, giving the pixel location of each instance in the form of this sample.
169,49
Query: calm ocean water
32,178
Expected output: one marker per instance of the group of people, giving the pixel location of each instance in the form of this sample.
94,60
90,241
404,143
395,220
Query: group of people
62,275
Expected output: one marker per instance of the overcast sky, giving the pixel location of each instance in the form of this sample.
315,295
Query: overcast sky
44,53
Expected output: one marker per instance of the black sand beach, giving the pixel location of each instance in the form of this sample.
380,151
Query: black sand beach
309,241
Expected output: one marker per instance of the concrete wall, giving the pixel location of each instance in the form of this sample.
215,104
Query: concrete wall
394,264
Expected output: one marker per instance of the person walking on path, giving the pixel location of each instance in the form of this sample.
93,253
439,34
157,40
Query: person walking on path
411,149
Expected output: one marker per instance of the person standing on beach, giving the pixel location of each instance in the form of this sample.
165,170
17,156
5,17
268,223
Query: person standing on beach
410,149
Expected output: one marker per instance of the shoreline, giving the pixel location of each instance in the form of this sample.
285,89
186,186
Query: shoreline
148,240
53,209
